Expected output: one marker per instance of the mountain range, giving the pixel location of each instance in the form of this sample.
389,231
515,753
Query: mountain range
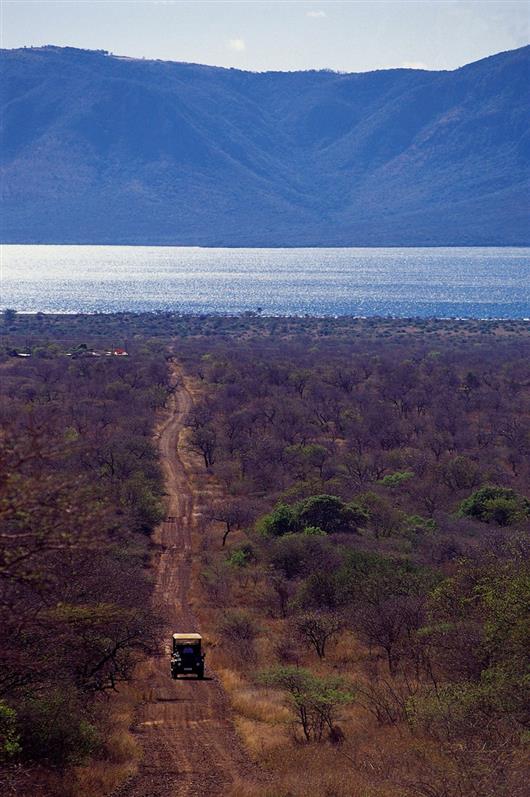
103,149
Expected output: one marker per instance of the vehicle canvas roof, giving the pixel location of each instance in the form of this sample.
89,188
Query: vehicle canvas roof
187,636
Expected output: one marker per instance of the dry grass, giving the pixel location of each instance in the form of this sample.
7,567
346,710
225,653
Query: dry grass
118,759
316,769
260,706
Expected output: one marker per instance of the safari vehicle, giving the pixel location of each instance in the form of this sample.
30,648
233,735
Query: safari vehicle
187,656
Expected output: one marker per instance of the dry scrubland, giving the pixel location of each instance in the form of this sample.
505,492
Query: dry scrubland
361,571
80,493
364,576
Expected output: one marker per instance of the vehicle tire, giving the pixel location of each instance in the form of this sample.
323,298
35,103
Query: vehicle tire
174,675
200,675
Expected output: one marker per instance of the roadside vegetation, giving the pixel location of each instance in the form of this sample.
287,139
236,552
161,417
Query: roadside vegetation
80,492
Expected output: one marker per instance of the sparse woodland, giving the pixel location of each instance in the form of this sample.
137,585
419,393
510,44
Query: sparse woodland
362,571
80,493
365,559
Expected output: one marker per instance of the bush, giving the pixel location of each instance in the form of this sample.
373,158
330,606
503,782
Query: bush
327,589
282,520
53,729
146,506
326,513
483,711
296,555
313,701
241,556
396,479
239,630
316,628
330,514
313,531
500,505
9,737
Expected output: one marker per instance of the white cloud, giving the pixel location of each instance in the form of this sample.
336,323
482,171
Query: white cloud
237,44
414,65
316,14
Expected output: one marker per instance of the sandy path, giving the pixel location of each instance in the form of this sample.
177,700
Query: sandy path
185,727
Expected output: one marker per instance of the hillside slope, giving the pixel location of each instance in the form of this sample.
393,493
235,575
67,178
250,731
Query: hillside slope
103,149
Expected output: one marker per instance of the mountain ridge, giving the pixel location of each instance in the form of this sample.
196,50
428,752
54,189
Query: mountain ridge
99,148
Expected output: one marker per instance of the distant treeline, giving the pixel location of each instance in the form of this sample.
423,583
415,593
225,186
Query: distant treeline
34,330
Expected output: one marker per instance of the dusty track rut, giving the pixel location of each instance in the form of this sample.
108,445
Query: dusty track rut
185,728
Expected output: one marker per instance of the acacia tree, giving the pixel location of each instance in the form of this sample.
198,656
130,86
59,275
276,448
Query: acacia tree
313,701
233,513
203,440
389,624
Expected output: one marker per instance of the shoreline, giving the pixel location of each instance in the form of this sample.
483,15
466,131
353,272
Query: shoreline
254,315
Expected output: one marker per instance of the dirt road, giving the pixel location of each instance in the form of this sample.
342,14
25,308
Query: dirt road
189,743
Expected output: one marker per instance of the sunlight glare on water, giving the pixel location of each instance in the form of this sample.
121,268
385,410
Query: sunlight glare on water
443,282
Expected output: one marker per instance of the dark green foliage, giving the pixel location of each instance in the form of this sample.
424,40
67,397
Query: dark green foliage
479,636
462,710
330,514
323,590
327,513
499,505
242,556
54,729
282,520
141,495
314,531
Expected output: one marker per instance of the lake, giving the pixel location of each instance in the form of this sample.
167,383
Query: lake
461,282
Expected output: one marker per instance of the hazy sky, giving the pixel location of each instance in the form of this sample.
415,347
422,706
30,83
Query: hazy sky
281,34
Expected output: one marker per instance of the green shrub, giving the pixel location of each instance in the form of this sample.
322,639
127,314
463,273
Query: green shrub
281,520
313,531
296,555
9,737
396,479
327,513
500,505
314,701
242,556
469,709
322,590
